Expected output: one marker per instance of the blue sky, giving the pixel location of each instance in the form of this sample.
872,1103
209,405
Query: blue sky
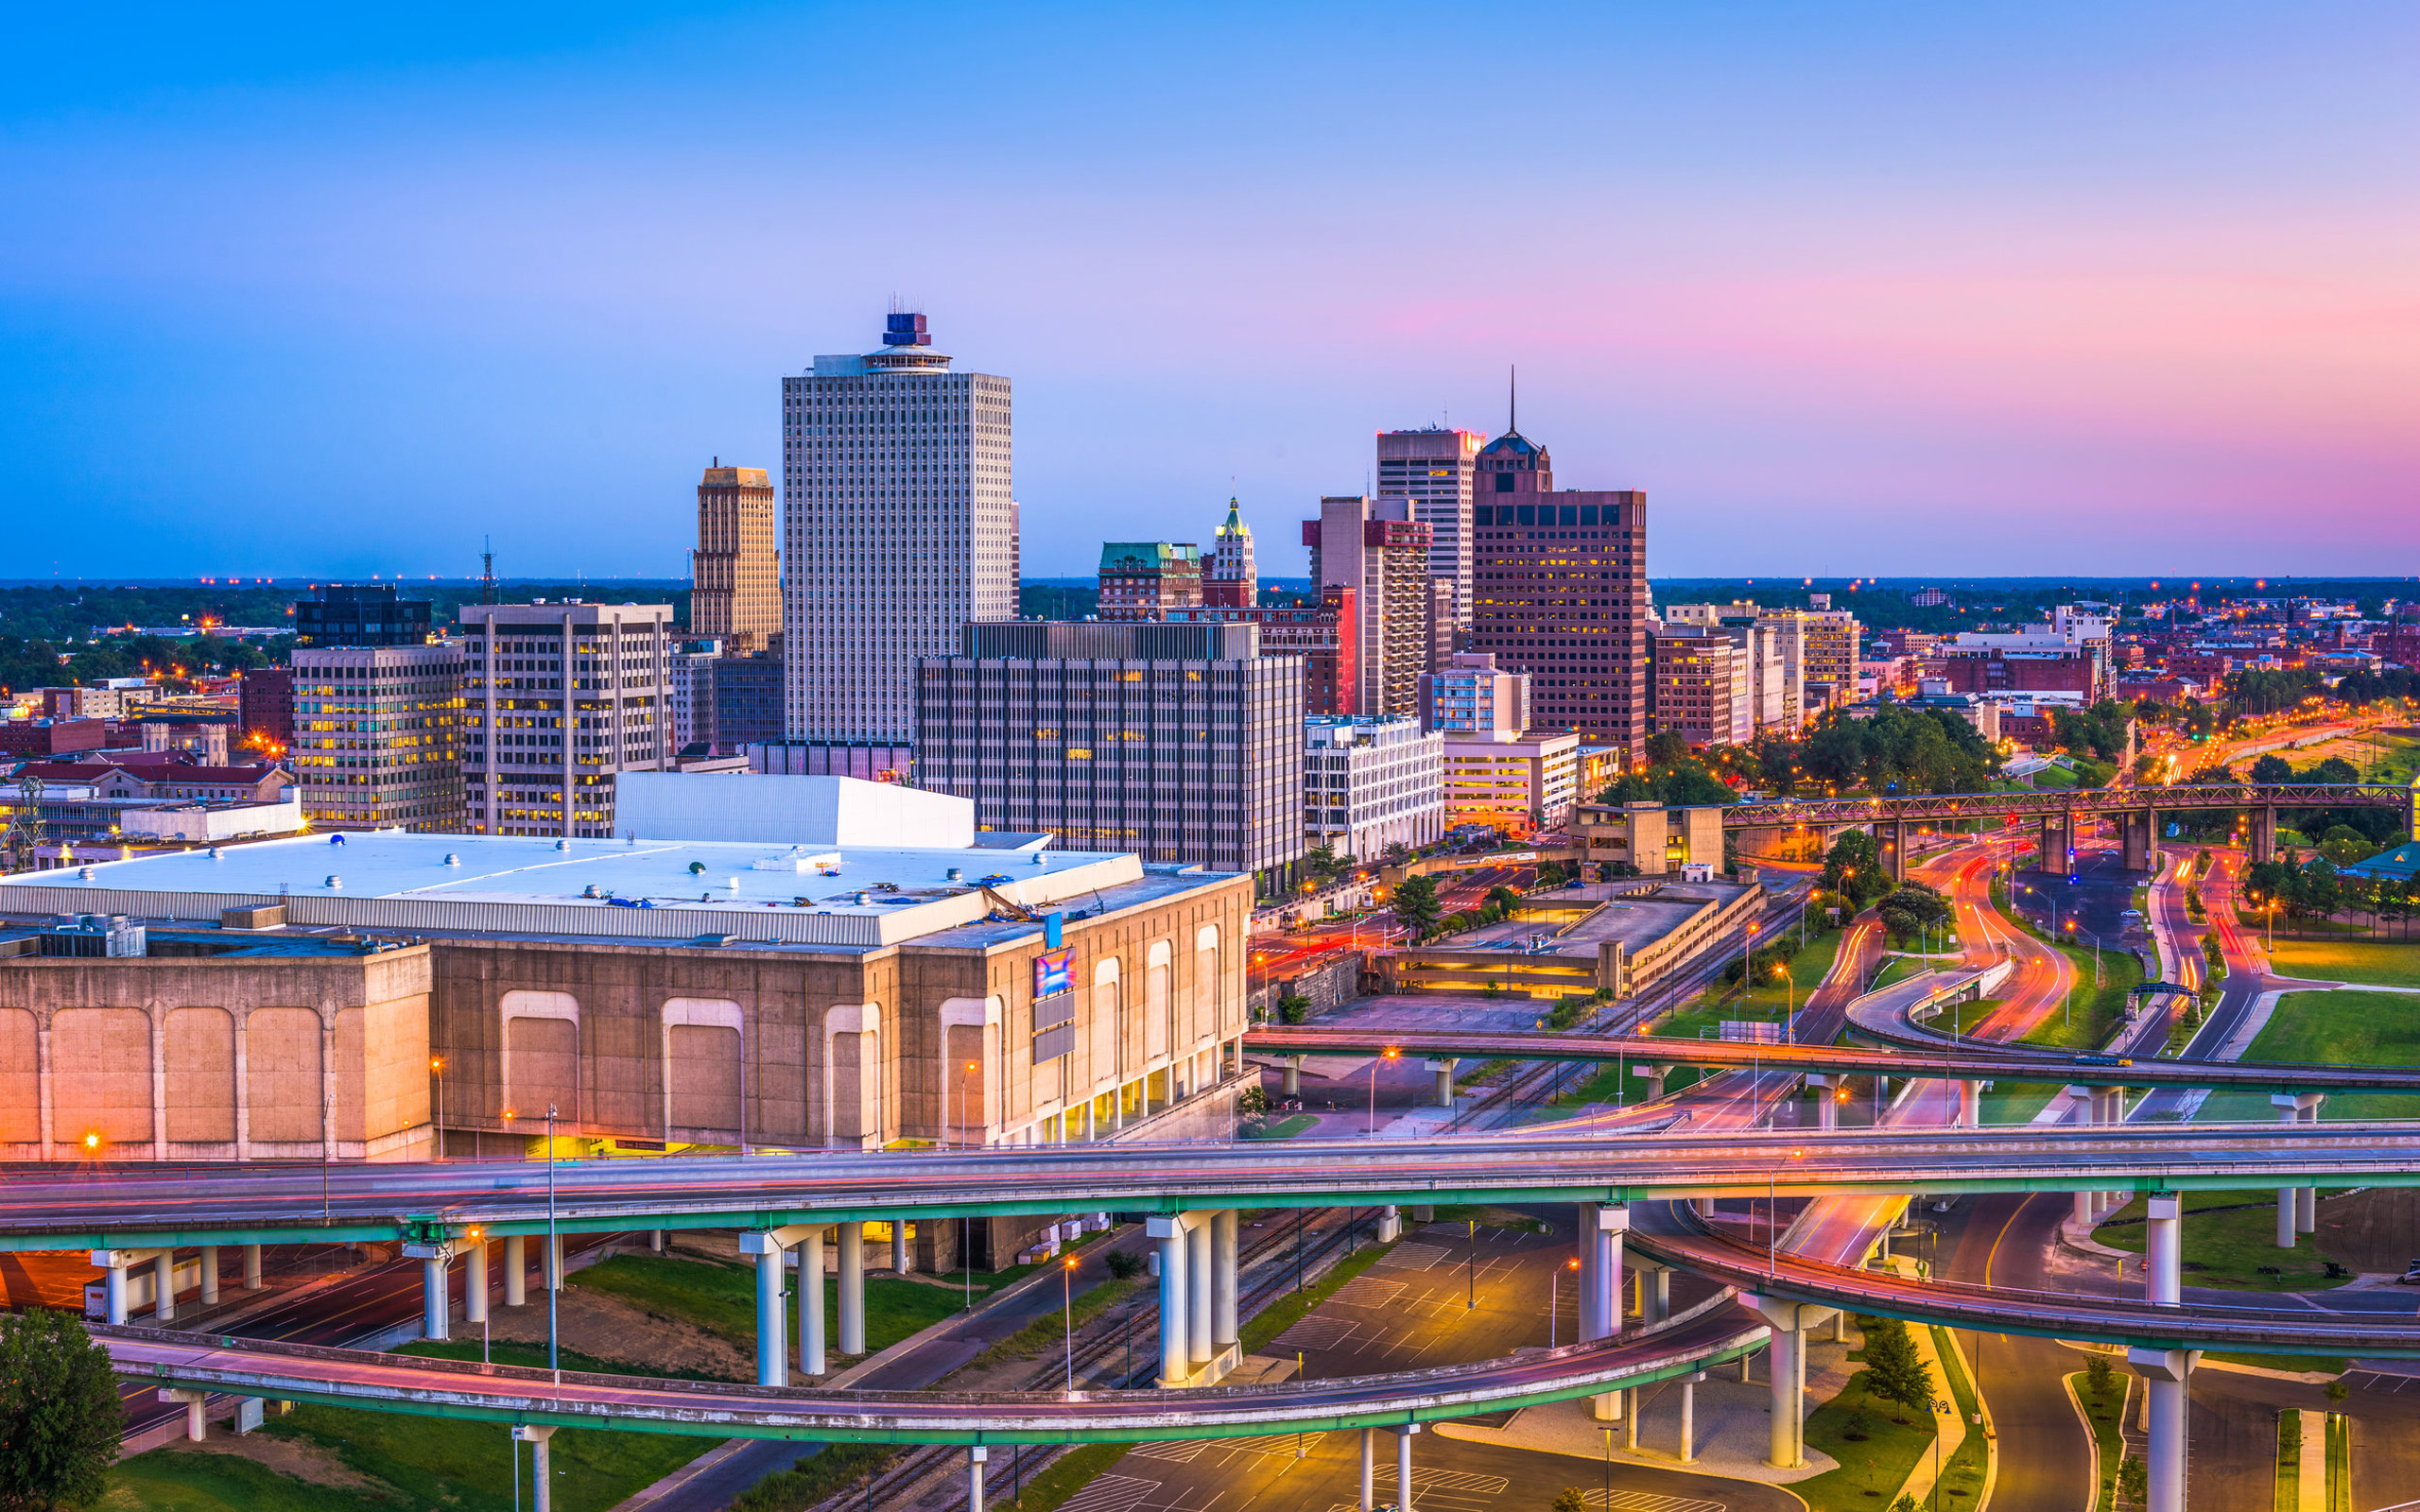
1846,289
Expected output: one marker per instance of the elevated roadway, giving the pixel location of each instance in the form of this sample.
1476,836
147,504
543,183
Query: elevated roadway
250,1205
1927,1054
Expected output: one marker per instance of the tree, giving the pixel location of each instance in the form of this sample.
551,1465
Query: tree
1321,860
1294,1008
1666,747
2134,1480
1892,1370
59,1417
1853,869
1417,905
2098,1373
1571,1500
2273,768
1910,909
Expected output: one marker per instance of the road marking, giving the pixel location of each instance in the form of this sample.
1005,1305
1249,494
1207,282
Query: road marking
1316,1332
1111,1493
1647,1502
1368,1291
1175,1451
1413,1255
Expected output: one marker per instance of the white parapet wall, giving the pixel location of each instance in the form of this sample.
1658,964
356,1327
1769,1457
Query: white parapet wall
768,808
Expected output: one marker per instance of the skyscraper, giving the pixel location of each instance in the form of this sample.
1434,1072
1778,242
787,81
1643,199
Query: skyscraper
737,595
1377,549
1559,586
376,713
1434,467
1234,578
561,697
899,527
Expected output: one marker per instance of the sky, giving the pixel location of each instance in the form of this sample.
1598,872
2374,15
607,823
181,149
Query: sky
2050,289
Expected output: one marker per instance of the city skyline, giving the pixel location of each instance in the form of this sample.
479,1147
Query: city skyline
1846,294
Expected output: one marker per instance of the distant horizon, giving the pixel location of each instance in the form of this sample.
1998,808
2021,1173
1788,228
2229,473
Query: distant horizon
1818,583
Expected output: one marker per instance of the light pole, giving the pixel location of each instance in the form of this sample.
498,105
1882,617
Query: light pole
1554,1302
1067,1302
437,1068
1391,1054
552,1265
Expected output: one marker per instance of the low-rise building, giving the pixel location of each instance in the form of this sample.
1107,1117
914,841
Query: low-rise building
1515,786
1471,695
1143,579
1657,840
1369,784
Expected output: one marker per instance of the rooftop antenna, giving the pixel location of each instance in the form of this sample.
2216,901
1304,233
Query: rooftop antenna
1512,417
487,569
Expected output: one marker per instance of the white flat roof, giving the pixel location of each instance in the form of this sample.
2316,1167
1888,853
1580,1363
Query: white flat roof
641,889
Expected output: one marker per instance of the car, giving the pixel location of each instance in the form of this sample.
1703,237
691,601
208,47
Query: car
2101,1060
2411,1273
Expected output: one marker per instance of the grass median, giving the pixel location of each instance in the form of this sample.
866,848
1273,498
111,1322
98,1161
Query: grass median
2345,1028
2375,963
721,1298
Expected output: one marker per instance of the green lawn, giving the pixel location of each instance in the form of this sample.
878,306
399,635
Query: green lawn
1285,1128
2380,963
417,1464
2227,1249
2105,1410
1961,1479
2332,1028
1050,1330
1071,1472
722,1298
1872,1467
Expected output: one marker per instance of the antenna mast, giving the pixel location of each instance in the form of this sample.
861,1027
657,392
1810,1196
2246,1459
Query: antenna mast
487,569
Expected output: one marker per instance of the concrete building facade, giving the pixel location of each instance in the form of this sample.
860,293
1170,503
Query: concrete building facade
900,524
1379,550
1515,786
1434,468
736,595
1473,696
1326,636
559,698
1180,743
1701,685
1369,784
379,736
1143,579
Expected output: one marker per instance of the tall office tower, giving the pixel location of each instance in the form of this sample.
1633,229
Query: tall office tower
1560,586
736,597
689,695
899,527
377,735
1699,686
1775,641
561,697
1143,579
1235,578
1180,743
1377,549
1444,611
1434,469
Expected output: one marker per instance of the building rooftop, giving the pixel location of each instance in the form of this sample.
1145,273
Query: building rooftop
1636,921
859,897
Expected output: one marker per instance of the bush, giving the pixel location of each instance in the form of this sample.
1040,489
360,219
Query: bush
1294,1007
1125,1264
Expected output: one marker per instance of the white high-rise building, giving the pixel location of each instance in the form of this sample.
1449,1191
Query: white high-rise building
899,526
1434,467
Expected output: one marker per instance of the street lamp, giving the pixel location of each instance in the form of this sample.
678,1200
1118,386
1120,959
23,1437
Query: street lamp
1067,1302
1554,1299
437,1068
1391,1054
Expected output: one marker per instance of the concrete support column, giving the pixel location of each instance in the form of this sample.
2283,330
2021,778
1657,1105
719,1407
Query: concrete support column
113,1291
554,1252
1445,1071
1788,1344
903,1260
1970,1104
1175,1359
435,1307
852,1287
2168,1373
196,1402
1630,1419
2086,1104
1293,1085
474,1283
1197,1290
772,1325
1827,1104
810,1304
516,1271
1689,1417
1369,1474
1222,1280
210,1275
541,1466
975,1455
2306,1209
1658,1284
655,1240
1390,1225
2163,1254
1899,852
252,1267
1403,1465
164,1287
